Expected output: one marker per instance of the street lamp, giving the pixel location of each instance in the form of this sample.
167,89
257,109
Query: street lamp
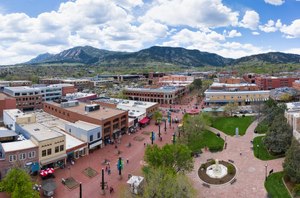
159,129
266,171
257,151
165,125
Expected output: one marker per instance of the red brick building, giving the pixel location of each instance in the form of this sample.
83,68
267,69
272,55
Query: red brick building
6,102
231,80
113,121
270,82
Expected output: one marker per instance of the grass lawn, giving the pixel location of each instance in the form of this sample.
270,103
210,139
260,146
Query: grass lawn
261,151
262,127
275,187
228,124
209,139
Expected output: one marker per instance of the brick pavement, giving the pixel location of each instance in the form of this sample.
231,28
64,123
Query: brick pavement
250,170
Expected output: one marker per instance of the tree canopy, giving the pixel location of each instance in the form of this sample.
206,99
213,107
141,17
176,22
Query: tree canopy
230,108
176,157
161,183
291,165
18,183
157,116
279,136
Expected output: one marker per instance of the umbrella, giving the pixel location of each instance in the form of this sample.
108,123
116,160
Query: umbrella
50,170
43,173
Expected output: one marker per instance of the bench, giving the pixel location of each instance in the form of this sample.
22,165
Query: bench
206,185
233,181
230,161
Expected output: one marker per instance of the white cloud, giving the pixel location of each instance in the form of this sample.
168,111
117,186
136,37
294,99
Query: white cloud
293,51
211,42
275,2
232,33
193,13
293,30
271,26
250,20
255,33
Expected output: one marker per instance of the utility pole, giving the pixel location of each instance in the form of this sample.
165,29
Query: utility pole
80,190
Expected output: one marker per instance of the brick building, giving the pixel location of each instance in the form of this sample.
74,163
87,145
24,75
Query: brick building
79,84
270,82
27,98
113,121
6,102
232,80
234,87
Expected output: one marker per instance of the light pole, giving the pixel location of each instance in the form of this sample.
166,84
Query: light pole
102,182
257,151
266,171
80,190
165,125
159,129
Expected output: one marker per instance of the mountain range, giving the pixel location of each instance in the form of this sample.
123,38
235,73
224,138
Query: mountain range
157,55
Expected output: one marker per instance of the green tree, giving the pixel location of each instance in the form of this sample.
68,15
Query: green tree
18,183
279,136
291,165
162,182
176,157
157,116
230,108
286,97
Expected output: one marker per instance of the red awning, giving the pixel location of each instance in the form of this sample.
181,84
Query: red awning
193,111
145,120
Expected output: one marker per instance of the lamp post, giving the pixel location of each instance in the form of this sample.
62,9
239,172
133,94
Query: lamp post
165,125
159,129
80,190
102,182
257,150
266,171
174,138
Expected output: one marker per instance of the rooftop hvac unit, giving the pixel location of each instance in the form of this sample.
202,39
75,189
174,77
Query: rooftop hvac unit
69,104
92,107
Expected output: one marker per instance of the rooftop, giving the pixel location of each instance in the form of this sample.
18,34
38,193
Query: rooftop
237,92
18,145
13,113
41,132
101,114
22,88
216,84
4,96
4,132
84,125
168,89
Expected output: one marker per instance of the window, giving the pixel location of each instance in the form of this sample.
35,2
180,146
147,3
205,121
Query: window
22,156
98,135
49,152
31,154
56,149
44,153
70,130
91,138
61,147
12,158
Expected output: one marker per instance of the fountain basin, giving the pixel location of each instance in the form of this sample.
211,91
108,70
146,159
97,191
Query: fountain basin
216,171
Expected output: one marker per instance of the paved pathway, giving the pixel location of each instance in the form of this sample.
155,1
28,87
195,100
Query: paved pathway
250,170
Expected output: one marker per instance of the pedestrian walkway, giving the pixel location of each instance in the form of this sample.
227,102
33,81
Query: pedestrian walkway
251,172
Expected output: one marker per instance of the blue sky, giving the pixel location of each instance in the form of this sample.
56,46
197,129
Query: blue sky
231,28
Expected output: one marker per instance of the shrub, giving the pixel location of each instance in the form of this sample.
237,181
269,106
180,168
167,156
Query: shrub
215,148
203,166
230,169
243,115
235,116
296,190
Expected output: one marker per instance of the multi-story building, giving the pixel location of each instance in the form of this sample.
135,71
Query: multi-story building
271,82
51,92
230,80
234,87
250,77
163,95
12,117
27,98
113,121
175,80
6,102
18,153
90,133
292,114
219,98
79,96
79,84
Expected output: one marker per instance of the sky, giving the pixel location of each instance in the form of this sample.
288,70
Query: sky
230,28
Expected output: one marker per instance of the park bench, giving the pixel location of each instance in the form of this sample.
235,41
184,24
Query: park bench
206,185
230,161
233,181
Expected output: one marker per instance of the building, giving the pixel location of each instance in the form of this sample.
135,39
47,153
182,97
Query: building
51,92
113,121
175,80
250,77
284,94
79,84
51,143
7,135
22,153
271,82
219,98
15,116
27,98
230,80
6,102
163,95
292,114
90,133
79,96
296,85
234,87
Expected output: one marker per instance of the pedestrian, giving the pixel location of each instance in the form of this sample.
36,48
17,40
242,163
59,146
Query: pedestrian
111,190
116,146
106,168
109,171
240,153
144,144
127,161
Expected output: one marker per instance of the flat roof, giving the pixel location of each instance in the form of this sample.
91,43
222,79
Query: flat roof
236,92
18,145
57,124
84,125
22,88
102,113
4,96
13,113
128,103
41,132
161,89
4,132
216,84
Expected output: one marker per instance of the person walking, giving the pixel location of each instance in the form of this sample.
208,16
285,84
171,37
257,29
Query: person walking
127,161
111,190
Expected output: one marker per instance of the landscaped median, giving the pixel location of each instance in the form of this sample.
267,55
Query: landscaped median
206,139
228,125
260,150
275,186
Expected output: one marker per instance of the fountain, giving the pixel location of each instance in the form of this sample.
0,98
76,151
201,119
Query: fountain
216,170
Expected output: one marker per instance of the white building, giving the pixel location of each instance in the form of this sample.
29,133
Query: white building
22,91
13,116
50,92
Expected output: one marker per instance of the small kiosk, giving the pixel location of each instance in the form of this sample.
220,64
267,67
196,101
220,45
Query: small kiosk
136,184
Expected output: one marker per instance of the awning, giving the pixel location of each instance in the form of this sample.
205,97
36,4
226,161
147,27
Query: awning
95,144
53,159
145,120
